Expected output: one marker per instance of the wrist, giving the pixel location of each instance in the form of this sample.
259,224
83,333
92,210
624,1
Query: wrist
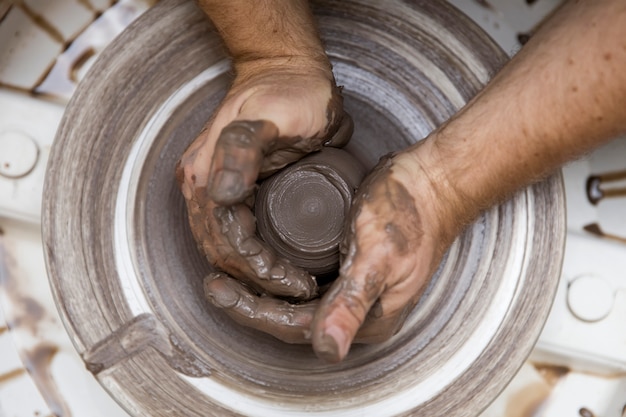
266,31
446,208
316,65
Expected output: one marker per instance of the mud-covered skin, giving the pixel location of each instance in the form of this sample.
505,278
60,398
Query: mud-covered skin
391,248
287,322
388,257
271,117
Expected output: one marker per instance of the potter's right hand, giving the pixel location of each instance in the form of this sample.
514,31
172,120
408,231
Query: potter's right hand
277,111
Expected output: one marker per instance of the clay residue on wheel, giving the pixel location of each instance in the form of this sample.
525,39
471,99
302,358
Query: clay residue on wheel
285,321
142,332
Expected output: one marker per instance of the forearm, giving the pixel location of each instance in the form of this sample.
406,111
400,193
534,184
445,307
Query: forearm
561,96
267,30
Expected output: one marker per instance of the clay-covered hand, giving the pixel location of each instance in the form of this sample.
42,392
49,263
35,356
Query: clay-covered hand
275,112
398,232
399,229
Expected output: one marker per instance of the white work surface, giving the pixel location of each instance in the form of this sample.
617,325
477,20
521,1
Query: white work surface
578,367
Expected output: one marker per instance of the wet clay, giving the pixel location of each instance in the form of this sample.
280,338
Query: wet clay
225,228
301,210
142,332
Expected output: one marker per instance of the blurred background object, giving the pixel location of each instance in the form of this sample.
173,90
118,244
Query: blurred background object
578,367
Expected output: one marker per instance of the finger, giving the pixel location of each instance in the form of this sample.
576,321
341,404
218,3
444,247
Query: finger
296,148
274,275
344,308
343,135
380,326
287,322
237,159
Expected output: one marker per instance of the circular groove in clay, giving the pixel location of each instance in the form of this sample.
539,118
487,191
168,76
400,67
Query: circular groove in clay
301,211
125,270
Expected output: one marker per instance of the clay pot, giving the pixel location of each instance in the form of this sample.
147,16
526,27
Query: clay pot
301,211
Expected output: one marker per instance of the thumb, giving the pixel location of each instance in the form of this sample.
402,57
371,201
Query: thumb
342,311
237,159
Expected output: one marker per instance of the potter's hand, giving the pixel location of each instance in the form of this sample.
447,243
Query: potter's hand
276,112
393,245
400,226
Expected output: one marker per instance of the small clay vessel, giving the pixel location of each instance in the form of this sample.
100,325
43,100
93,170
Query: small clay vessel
301,211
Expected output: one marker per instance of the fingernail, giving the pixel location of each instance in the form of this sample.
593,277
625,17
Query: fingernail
227,187
278,272
250,247
220,295
333,345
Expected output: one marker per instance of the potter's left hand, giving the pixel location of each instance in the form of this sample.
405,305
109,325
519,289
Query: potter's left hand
277,111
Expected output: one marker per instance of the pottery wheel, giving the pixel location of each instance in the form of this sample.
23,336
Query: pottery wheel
127,276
